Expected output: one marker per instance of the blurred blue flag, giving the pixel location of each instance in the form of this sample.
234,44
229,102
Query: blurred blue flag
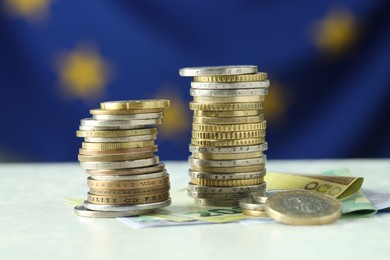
328,62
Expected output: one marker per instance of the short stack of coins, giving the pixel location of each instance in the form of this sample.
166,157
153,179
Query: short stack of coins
228,134
118,152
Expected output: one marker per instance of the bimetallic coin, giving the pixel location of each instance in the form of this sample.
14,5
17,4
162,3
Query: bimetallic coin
228,113
232,78
81,211
251,168
226,156
211,106
129,117
229,128
135,104
121,164
215,203
232,85
112,127
232,150
226,163
226,183
132,171
116,133
228,135
228,92
114,158
250,204
115,146
116,123
130,177
254,213
155,205
226,176
221,196
150,149
127,200
124,111
218,70
228,99
125,185
303,207
228,120
121,139
242,142
239,189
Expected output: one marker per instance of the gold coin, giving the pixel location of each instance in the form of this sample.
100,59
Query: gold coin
118,151
229,128
242,142
132,171
227,113
254,213
226,156
114,158
135,104
226,106
228,135
228,120
251,168
116,133
114,146
229,99
226,183
129,192
124,111
260,76
123,185
129,200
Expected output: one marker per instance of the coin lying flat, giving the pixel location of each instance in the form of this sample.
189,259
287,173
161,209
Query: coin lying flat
296,207
218,70
83,212
135,104
100,207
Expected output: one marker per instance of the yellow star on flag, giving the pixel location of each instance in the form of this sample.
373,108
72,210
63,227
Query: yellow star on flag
177,118
32,10
275,103
83,72
336,32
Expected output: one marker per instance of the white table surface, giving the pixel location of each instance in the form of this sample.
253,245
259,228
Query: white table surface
37,223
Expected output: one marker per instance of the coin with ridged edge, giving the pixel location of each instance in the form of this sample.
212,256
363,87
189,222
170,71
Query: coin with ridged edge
226,106
229,128
250,168
226,183
227,113
233,150
218,70
229,135
230,85
226,176
232,78
116,133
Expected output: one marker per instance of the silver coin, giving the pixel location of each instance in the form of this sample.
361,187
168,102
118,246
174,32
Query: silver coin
83,212
129,177
222,196
100,207
226,176
230,85
218,70
94,122
226,163
129,117
235,149
216,203
121,164
135,138
251,204
228,92
236,189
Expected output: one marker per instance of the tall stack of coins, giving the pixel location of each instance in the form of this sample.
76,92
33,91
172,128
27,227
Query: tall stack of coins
228,134
118,152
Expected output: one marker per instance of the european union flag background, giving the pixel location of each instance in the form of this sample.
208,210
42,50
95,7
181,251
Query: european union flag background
328,62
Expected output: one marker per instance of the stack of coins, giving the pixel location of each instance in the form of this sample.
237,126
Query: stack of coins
126,177
228,134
